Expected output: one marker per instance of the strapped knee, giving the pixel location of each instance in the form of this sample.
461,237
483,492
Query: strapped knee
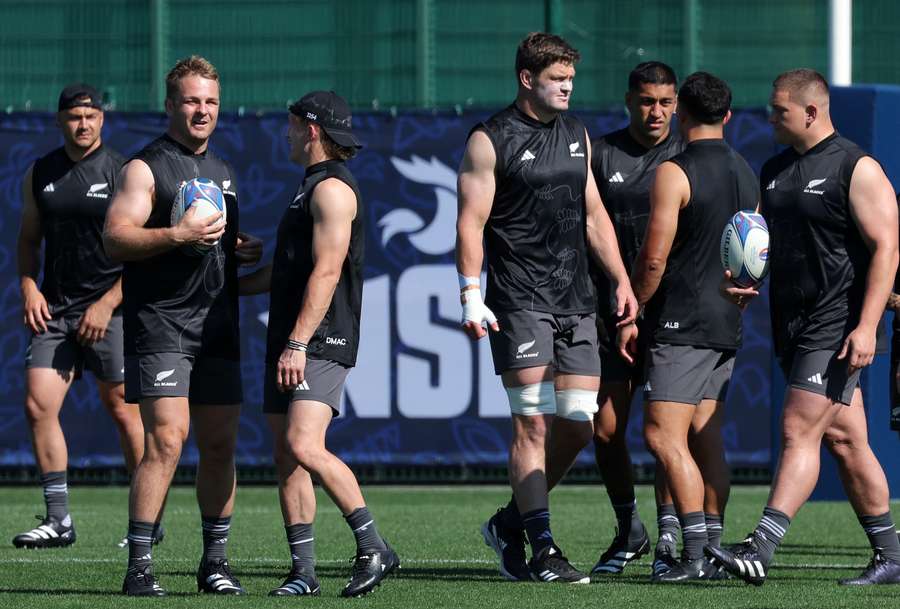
532,400
577,404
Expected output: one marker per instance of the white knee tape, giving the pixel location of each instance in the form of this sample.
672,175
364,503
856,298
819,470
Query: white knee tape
532,400
576,404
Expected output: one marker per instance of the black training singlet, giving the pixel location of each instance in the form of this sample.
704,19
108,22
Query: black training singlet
72,199
819,261
624,171
688,308
535,236
337,337
180,302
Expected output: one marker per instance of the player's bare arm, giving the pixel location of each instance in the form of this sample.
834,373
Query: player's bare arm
670,192
476,185
124,235
257,282
28,259
874,209
93,324
604,247
333,208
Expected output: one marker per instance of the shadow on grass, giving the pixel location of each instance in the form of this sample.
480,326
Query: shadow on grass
339,571
80,592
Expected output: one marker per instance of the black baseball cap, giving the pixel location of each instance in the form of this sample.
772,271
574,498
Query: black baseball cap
80,95
331,112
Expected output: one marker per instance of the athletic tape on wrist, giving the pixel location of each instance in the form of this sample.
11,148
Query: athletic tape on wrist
465,282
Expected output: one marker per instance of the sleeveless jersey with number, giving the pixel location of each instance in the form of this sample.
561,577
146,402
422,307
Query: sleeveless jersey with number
181,301
624,171
535,237
688,308
72,199
337,337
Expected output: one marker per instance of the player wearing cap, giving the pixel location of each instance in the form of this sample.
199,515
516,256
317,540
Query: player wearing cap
182,344
832,220
315,281
74,317
527,199
693,333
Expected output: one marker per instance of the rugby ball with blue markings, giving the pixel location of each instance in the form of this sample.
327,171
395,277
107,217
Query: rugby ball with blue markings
745,248
203,194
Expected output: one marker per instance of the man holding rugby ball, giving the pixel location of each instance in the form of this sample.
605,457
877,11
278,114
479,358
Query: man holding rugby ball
694,333
182,344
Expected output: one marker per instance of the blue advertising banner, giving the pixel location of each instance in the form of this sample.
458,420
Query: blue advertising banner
422,393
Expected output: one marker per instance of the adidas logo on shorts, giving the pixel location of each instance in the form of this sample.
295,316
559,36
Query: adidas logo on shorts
815,379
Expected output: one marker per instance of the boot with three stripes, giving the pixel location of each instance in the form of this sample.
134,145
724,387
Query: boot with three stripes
52,533
742,560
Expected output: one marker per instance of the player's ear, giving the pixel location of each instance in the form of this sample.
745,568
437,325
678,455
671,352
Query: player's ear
170,106
811,113
727,118
526,78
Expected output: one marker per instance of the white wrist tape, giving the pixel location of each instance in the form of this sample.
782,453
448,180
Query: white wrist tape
474,308
465,282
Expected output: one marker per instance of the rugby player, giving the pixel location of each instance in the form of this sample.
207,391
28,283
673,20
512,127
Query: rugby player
693,333
527,199
316,285
182,343
832,220
624,163
74,317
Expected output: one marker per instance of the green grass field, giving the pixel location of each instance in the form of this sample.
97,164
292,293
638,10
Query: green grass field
445,563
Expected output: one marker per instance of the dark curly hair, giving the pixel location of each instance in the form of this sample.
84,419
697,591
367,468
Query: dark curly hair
705,97
539,50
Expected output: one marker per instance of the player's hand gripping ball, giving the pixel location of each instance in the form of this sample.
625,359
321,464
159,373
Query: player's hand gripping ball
745,249
206,197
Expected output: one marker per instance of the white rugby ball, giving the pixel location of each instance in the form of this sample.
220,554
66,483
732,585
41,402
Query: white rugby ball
745,248
204,195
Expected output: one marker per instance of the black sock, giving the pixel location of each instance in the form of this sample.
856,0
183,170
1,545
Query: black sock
56,495
627,518
537,526
770,531
511,516
668,525
215,537
303,547
140,543
363,526
714,525
882,535
693,530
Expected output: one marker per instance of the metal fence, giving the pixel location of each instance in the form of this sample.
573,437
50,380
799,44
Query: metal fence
415,53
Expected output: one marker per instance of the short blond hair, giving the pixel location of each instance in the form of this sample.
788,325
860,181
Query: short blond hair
195,65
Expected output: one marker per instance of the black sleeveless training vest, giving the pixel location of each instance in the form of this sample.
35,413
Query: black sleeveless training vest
688,308
337,337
